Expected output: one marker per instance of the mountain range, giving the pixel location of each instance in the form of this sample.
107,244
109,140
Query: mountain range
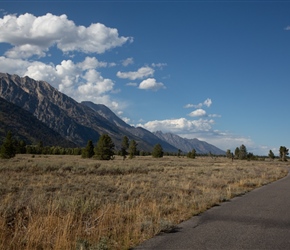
35,111
186,145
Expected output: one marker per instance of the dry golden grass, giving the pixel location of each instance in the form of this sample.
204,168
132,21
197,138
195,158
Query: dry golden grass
66,202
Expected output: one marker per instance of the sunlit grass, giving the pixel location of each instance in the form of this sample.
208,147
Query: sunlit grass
66,202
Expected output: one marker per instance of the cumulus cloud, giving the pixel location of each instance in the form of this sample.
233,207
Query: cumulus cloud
139,74
151,84
207,103
179,125
31,35
80,81
198,112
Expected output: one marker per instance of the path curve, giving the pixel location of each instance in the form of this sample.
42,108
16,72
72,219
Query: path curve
258,220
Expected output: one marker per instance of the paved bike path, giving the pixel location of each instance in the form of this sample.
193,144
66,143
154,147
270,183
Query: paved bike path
257,220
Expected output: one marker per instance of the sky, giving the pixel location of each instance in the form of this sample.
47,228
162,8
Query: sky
218,71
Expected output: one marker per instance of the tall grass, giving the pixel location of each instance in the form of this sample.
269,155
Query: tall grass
66,202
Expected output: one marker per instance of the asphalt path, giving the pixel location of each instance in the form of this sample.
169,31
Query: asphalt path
259,219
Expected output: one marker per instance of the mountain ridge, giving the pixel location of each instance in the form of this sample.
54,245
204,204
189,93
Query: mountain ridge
77,122
187,145
24,126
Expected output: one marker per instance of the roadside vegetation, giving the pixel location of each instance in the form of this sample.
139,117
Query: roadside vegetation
71,202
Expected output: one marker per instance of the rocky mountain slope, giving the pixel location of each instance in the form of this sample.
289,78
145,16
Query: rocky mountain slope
186,145
77,122
24,126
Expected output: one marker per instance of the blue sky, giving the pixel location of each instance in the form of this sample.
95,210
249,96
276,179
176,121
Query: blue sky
218,71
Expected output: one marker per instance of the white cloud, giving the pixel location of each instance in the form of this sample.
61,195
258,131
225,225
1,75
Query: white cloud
159,65
139,74
214,115
13,66
91,63
189,106
95,84
207,103
128,61
179,125
31,35
151,84
198,112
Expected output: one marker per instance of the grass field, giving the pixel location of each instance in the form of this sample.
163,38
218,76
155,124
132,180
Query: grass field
66,202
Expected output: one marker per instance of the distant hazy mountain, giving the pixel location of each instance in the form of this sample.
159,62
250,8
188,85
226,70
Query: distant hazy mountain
24,126
186,145
77,122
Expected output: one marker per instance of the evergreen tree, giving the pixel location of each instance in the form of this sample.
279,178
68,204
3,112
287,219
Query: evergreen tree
124,147
271,155
22,147
157,151
132,149
8,149
104,149
243,152
88,151
229,154
283,153
237,153
191,154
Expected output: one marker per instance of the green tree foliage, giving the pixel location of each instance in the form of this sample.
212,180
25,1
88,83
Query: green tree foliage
243,152
8,149
229,154
20,147
237,153
124,147
283,153
191,154
157,151
88,151
104,149
132,149
271,155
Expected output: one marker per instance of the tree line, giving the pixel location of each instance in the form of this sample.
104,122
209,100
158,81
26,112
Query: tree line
104,149
241,153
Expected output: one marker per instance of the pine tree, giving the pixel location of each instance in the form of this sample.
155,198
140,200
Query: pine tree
8,149
132,149
229,154
157,151
271,155
283,153
124,147
88,151
104,149
243,152
237,153
191,154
